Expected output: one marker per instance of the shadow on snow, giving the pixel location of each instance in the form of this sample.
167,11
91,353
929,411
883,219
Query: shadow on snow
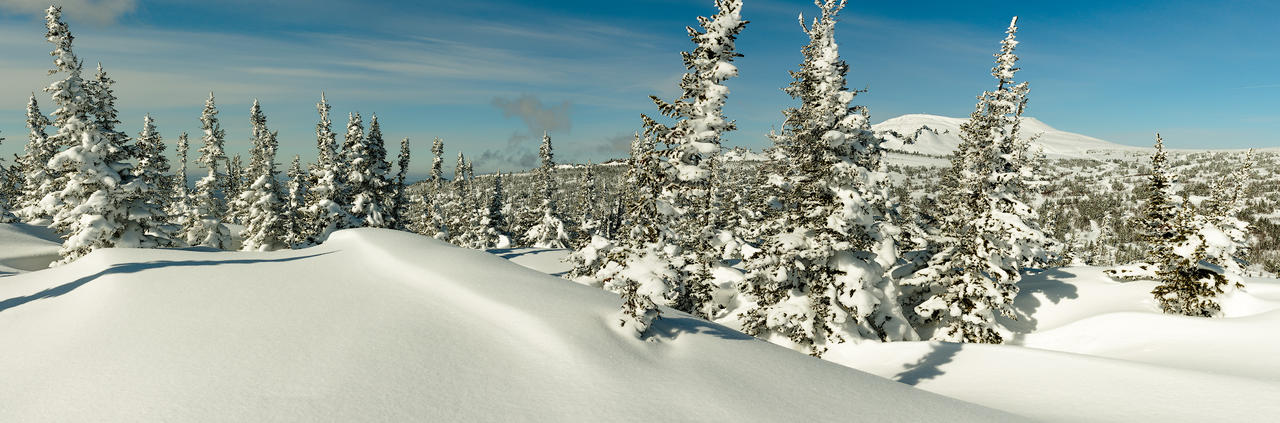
122,268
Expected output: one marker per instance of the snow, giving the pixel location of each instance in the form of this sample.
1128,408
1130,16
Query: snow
1087,348
943,135
380,325
25,248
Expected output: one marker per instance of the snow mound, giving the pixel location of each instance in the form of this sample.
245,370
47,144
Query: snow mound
379,325
1066,387
1087,348
25,248
940,135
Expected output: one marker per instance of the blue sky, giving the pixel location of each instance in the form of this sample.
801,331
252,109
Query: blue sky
489,76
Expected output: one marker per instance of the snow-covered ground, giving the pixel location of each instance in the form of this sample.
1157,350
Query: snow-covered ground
379,325
25,247
1086,348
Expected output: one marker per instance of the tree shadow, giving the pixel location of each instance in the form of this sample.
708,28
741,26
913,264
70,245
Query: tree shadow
929,365
122,268
668,326
510,253
1047,282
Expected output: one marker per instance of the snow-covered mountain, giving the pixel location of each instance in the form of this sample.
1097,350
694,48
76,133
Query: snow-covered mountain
939,135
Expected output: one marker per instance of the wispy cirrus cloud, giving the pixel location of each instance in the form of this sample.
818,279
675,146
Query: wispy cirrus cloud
102,12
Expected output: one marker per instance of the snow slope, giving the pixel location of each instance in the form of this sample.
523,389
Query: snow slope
939,135
25,247
379,325
1086,348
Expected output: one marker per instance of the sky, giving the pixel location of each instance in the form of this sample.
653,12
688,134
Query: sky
489,76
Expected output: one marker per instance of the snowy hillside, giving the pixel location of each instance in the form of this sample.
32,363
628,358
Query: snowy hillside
939,135
1086,348
379,325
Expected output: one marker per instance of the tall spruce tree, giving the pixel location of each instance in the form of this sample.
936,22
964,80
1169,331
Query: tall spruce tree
368,179
434,222
988,231
103,100
180,203
295,204
819,278
1158,219
235,184
38,179
10,188
1203,255
400,197
589,214
204,226
690,145
238,205
636,265
89,204
150,192
550,231
266,225
324,214
494,224
463,231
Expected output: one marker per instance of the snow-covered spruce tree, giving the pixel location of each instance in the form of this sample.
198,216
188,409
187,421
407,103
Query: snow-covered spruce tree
295,203
1205,255
1223,212
819,277
691,143
988,232
433,222
1156,221
103,100
150,191
400,199
38,180
239,205
1189,284
463,228
323,213
493,224
9,190
90,207
549,232
204,225
236,182
179,202
265,224
368,186
636,265
589,213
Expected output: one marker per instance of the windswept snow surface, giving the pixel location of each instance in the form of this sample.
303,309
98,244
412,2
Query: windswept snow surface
1086,348
379,325
940,135
26,247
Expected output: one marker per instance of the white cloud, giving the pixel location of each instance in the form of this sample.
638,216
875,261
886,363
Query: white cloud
102,12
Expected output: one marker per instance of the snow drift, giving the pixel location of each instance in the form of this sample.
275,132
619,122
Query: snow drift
24,248
1087,348
391,326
